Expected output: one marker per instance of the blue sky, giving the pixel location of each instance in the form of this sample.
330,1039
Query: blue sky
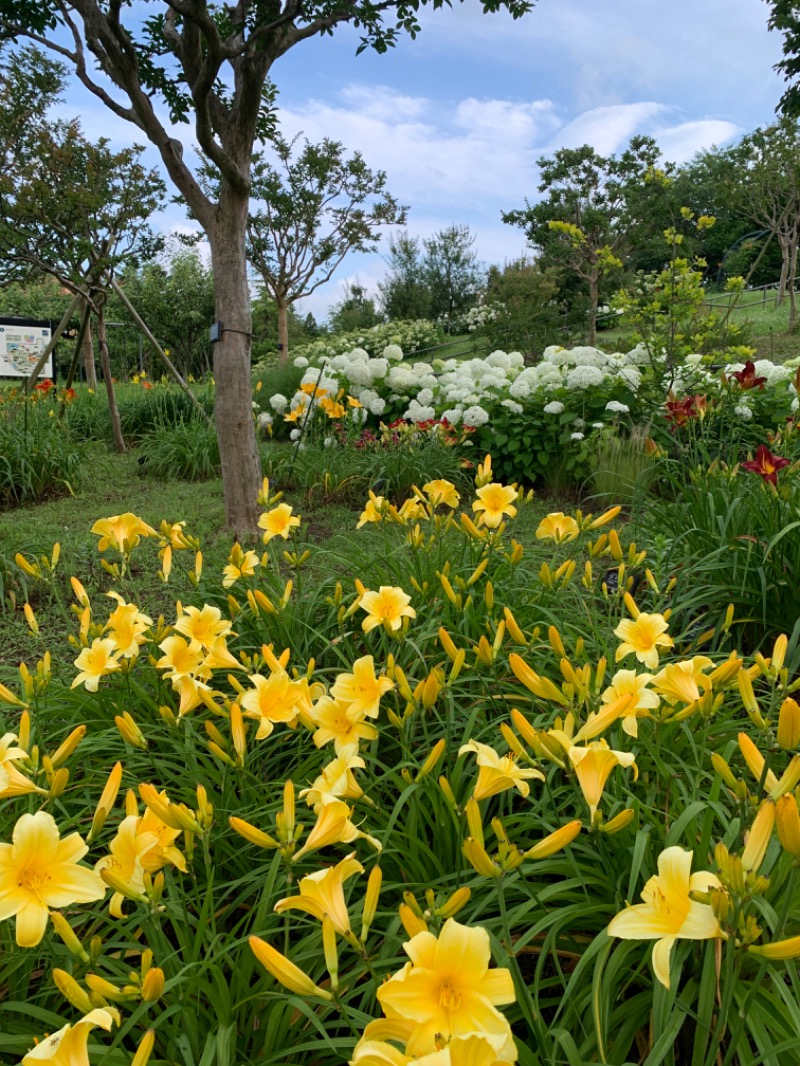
458,117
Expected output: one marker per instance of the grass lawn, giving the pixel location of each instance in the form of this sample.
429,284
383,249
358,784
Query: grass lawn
115,485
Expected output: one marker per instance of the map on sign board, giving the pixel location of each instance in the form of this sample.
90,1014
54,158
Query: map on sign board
20,349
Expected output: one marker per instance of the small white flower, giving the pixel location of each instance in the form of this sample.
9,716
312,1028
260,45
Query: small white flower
555,407
576,436
598,425
295,434
617,408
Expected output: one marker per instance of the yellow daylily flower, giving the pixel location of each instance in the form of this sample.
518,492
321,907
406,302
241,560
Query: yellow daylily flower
285,971
593,764
336,781
669,913
361,690
203,625
629,683
387,607
493,503
441,493
96,662
122,531
142,845
334,723
180,659
683,682
68,1046
447,990
12,781
558,527
475,1049
373,511
333,826
279,522
274,699
127,626
497,773
643,635
322,893
38,872
240,564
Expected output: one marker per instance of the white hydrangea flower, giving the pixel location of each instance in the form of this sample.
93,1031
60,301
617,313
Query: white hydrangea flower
598,425
374,403
301,362
576,436
425,397
393,352
417,413
265,419
476,416
743,412
555,407
295,434
278,403
617,408
452,415
584,377
514,407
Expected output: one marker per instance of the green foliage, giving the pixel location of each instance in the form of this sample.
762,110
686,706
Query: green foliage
404,293
175,297
412,337
162,407
39,459
313,208
355,311
527,317
184,447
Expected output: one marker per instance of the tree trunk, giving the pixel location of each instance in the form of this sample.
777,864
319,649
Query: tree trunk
88,358
594,296
238,449
283,330
105,362
790,285
784,271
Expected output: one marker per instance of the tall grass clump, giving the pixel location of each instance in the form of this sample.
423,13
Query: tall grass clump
185,449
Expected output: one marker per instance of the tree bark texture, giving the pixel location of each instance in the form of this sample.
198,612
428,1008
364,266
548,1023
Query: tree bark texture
89,369
593,301
283,331
238,448
105,362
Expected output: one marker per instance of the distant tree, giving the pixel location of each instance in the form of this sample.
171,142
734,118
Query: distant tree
314,208
404,292
451,272
69,208
526,314
175,296
766,190
356,310
594,211
265,327
785,17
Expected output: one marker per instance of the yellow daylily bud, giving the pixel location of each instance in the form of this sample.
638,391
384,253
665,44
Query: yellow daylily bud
556,642
153,985
433,758
58,782
605,517
618,822
789,724
106,801
67,934
478,858
539,686
403,685
614,545
411,922
104,988
330,950
72,991
67,747
514,630
458,665
758,838
145,1049
371,896
787,818
555,841
447,643
130,731
7,696
779,651
30,618
284,971
788,781
238,733
474,820
444,785
476,573
723,769
779,950
456,902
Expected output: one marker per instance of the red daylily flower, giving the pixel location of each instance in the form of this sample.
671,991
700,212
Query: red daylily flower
679,412
746,377
766,465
